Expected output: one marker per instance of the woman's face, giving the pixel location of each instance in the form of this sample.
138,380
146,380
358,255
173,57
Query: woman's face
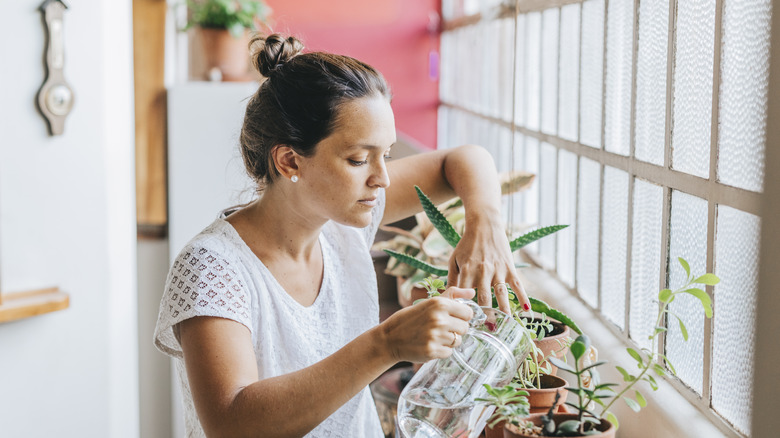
343,176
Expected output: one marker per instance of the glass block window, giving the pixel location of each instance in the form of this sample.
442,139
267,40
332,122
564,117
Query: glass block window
645,123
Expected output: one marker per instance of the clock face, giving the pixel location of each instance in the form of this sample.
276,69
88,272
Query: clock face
59,99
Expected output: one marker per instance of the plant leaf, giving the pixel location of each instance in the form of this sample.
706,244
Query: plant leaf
708,279
635,355
613,419
652,382
569,426
683,330
632,404
577,350
626,376
437,219
533,236
664,295
416,263
705,299
659,370
540,306
685,266
640,399
562,365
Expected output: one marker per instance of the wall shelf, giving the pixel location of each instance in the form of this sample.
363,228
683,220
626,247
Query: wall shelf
27,304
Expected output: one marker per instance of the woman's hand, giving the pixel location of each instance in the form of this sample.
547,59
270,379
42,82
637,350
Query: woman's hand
482,259
430,329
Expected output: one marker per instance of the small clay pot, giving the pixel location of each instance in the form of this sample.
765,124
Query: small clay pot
551,344
228,54
606,428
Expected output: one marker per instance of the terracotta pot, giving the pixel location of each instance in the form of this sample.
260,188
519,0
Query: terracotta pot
228,54
551,344
540,400
606,428
418,293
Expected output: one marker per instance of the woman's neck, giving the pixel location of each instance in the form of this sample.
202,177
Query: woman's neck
274,228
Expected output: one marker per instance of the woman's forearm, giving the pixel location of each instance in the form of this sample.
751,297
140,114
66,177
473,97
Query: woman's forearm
293,404
471,173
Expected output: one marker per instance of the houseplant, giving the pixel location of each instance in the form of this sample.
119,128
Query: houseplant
417,256
536,375
224,27
426,243
583,421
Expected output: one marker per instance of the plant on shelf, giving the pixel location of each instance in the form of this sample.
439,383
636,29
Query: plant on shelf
235,16
224,27
426,243
584,421
419,262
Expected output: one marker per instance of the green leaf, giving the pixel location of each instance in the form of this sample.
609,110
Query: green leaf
651,380
577,350
626,376
664,295
569,427
635,355
437,219
659,370
562,365
613,419
632,404
594,365
683,329
708,279
533,236
669,364
416,263
640,399
540,306
685,266
705,299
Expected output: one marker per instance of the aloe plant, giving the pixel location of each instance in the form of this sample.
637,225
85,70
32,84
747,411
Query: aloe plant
452,237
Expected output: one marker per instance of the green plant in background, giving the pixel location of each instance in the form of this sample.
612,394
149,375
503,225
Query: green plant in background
531,369
234,15
647,359
510,401
452,237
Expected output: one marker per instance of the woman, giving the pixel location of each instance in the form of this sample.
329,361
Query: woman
272,310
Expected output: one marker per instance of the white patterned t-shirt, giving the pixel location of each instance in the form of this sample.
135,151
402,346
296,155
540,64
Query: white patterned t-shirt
216,274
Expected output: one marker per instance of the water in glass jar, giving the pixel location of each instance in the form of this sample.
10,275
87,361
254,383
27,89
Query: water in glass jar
429,415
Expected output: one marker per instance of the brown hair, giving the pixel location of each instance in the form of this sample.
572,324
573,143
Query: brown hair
297,105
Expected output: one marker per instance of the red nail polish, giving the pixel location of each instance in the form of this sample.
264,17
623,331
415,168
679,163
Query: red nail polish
526,306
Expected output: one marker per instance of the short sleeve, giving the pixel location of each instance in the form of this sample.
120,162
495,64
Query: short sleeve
201,282
376,218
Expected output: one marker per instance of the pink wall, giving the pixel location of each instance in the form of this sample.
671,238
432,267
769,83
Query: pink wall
391,35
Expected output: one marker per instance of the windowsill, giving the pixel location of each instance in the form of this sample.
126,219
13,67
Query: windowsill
27,304
668,412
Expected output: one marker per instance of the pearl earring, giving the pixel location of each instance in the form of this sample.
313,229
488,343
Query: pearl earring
294,178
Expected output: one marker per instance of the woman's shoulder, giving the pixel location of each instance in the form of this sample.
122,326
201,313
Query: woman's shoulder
217,240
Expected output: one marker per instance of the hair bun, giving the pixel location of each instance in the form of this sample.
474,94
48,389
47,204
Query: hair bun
271,51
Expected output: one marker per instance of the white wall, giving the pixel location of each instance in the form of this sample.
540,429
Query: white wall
67,219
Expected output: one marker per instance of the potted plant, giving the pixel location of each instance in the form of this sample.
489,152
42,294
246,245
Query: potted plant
417,259
536,375
426,243
583,421
224,27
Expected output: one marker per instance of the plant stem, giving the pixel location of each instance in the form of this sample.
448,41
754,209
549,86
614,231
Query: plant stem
653,348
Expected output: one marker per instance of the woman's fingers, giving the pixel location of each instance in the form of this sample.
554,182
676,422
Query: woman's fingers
519,290
459,292
502,296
